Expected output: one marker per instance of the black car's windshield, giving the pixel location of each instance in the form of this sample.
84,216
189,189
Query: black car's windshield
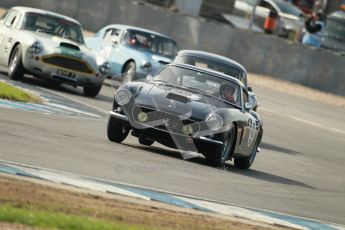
151,42
56,26
214,65
201,82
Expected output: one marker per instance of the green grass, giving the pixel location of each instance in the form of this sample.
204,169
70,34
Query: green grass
55,220
10,92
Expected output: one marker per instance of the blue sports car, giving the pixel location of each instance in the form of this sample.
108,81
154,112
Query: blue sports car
129,49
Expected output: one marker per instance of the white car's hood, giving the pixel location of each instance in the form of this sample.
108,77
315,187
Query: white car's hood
54,44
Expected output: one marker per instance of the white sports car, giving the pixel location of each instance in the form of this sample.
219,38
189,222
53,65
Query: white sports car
50,46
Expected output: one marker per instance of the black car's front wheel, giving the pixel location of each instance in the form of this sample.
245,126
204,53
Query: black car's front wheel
15,68
218,156
116,131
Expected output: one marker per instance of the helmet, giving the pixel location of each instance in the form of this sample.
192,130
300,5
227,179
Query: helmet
227,92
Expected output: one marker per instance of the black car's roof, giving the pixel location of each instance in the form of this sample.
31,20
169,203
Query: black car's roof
211,72
211,56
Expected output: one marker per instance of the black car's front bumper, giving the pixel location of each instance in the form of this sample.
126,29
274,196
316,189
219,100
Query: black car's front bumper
173,140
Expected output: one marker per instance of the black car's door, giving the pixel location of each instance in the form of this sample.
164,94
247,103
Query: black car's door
250,131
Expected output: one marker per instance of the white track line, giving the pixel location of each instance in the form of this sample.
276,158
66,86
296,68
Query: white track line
304,121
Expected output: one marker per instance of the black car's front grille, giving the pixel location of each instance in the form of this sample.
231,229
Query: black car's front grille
68,63
166,121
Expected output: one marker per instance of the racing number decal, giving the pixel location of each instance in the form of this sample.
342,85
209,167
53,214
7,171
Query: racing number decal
252,128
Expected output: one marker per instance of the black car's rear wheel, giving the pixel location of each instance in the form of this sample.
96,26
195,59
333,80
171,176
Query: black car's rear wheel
116,131
15,68
246,162
217,157
145,141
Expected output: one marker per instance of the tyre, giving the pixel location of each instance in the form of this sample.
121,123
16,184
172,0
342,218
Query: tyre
129,72
92,91
246,162
217,157
15,66
145,141
116,131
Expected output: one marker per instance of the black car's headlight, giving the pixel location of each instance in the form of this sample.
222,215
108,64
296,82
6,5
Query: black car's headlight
104,68
188,129
123,96
214,122
36,47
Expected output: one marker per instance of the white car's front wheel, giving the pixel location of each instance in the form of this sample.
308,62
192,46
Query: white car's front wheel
15,68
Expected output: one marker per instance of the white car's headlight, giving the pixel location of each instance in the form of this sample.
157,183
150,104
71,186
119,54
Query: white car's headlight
36,47
214,122
104,68
123,96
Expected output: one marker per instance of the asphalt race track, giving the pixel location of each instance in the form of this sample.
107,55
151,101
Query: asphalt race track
300,170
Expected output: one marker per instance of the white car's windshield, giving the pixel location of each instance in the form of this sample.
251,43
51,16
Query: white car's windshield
201,82
53,25
151,42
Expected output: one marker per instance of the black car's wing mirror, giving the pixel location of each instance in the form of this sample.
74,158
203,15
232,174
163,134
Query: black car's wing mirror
248,106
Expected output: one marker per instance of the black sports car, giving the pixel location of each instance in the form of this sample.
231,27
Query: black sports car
190,109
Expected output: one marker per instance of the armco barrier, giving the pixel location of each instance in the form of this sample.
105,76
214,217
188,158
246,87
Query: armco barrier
259,53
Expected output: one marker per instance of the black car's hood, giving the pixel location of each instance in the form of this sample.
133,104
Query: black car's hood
191,104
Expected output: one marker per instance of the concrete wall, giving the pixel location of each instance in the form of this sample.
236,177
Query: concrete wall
259,53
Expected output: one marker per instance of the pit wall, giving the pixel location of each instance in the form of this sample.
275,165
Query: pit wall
259,53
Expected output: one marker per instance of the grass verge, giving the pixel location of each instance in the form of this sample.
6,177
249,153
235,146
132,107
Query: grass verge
56,220
13,93
40,205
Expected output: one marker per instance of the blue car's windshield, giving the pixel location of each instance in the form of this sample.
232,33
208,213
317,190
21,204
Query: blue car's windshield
151,42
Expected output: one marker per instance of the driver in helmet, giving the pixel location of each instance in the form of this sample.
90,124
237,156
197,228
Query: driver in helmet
227,93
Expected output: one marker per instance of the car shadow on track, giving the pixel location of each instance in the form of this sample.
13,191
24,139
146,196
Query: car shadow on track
253,173
278,148
265,176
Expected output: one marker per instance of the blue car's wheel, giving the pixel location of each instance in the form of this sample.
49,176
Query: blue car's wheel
129,72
